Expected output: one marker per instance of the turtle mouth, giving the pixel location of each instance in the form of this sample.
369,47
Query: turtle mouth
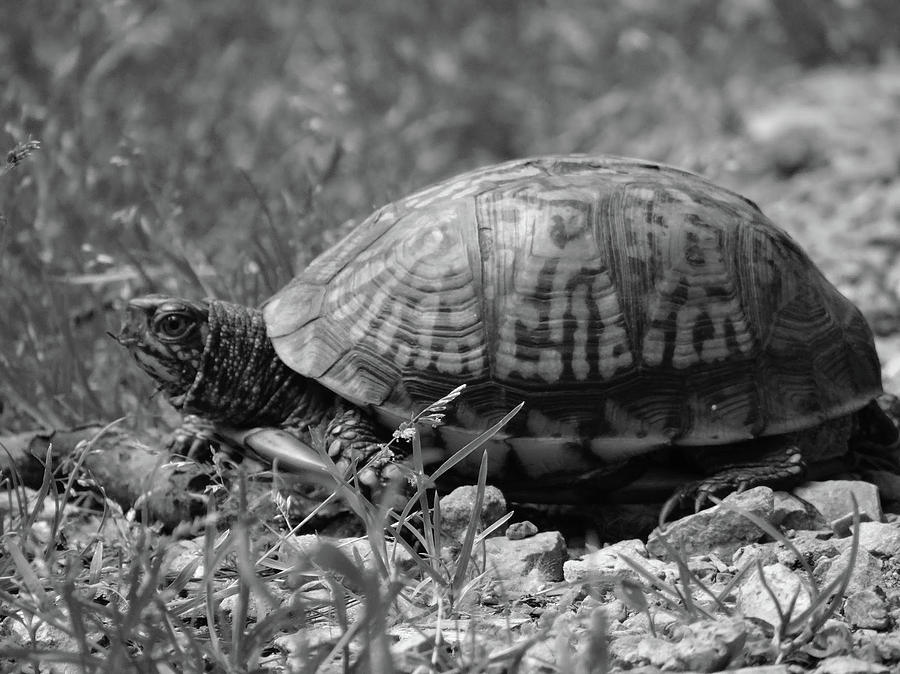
134,331
167,374
125,338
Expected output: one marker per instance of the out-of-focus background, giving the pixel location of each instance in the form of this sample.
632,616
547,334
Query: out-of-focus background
213,147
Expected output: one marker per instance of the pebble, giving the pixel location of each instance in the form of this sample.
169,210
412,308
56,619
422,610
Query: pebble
866,608
457,510
520,530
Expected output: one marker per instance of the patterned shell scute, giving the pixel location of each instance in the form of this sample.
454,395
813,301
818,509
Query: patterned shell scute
628,304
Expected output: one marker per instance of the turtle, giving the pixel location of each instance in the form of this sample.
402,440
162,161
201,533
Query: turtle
648,319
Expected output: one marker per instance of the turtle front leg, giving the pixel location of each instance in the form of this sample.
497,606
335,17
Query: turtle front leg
775,462
782,466
192,439
351,440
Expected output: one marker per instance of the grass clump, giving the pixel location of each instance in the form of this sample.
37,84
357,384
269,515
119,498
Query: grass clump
242,596
794,630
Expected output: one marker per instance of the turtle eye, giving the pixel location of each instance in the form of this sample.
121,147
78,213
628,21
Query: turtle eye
173,325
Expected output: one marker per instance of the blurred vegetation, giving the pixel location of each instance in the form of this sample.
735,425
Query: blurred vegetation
211,147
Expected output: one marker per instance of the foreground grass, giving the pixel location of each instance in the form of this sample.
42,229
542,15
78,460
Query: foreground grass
99,591
244,594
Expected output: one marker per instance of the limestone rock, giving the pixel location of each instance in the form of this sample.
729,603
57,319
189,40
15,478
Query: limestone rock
792,513
604,567
866,608
882,540
717,529
832,498
303,545
708,646
847,664
457,510
832,638
543,554
520,530
866,570
755,601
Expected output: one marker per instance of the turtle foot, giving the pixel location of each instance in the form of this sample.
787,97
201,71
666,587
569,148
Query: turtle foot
192,440
775,469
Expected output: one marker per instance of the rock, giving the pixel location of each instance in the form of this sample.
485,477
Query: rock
457,510
812,545
764,553
258,606
631,651
866,608
509,561
717,529
761,669
310,644
832,498
299,547
616,610
887,646
795,149
604,567
182,553
662,621
707,646
832,638
866,571
519,530
792,513
414,645
882,540
755,601
847,664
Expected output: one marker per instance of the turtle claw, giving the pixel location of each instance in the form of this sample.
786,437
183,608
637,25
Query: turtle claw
192,439
700,494
699,500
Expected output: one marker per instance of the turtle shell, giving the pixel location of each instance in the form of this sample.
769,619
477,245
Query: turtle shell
630,305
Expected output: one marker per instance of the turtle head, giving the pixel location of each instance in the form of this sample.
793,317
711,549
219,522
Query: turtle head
214,359
166,336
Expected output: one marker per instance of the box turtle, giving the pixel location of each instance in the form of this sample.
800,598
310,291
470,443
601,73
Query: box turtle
648,319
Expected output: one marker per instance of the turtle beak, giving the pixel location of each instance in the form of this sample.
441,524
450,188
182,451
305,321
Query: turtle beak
134,325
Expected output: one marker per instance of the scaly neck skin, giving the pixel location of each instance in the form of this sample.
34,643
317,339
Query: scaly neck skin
241,382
